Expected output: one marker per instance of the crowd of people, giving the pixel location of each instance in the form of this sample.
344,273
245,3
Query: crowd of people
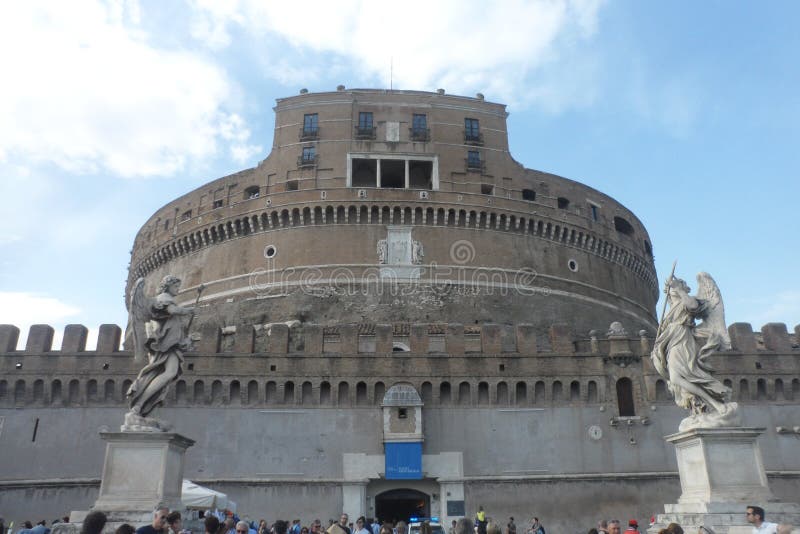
166,522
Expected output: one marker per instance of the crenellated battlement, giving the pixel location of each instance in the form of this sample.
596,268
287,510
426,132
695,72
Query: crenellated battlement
370,338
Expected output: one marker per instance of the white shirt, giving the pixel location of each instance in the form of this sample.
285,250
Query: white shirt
766,528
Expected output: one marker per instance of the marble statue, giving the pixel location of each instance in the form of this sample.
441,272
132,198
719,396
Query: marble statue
417,252
682,348
382,250
159,334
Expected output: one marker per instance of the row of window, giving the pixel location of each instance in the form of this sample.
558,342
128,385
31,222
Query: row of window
365,128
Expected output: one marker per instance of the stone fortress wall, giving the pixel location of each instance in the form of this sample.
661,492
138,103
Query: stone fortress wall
281,414
588,253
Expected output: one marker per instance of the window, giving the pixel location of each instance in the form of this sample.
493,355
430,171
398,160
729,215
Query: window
488,189
186,215
623,226
473,159
308,158
217,204
252,192
595,212
365,129
166,224
419,127
310,126
472,134
563,203
625,397
291,185
528,194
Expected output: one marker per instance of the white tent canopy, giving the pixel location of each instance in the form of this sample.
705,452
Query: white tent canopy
196,497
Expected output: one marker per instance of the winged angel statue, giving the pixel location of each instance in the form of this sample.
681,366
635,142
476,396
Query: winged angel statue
159,334
682,349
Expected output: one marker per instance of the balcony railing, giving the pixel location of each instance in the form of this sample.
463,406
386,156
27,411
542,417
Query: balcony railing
473,138
475,165
309,133
365,132
307,161
419,134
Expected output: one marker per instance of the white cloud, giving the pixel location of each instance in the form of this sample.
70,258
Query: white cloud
23,309
84,89
782,307
501,50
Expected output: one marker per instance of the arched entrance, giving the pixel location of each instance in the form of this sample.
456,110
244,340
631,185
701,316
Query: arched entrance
400,504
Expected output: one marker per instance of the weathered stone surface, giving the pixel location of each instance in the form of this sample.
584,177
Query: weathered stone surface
776,337
40,338
74,338
742,337
9,336
109,338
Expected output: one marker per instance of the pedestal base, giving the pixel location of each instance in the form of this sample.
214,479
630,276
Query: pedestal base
142,470
721,472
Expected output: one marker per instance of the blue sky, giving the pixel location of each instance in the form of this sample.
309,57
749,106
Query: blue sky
686,112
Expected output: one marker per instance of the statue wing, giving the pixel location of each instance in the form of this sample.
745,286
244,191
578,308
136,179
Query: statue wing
139,312
713,326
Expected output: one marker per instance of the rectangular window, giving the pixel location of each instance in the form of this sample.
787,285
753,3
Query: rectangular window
365,128
595,215
419,127
186,215
310,125
474,159
217,204
365,119
472,131
309,156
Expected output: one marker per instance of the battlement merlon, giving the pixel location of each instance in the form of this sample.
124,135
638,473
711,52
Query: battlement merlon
365,338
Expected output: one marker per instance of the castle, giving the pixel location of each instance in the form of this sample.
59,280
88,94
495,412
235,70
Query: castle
396,318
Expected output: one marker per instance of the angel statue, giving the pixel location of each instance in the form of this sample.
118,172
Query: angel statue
682,349
158,332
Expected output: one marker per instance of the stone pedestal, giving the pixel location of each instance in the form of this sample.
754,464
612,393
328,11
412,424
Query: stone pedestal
141,470
721,472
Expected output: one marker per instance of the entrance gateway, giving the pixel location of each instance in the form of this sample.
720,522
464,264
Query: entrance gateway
403,482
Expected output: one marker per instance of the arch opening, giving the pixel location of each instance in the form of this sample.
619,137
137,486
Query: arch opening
401,504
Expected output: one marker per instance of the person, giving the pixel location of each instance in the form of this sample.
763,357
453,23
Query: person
159,522
40,528
464,526
262,527
295,527
386,529
613,526
674,528
602,526
340,527
493,528
174,522
360,528
511,527
425,528
537,528
375,525
755,515
242,527
93,523
125,528
27,526
211,524
480,520
633,527
783,528
165,342
592,531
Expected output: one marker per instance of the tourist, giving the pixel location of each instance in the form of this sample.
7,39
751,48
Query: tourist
375,526
360,528
159,522
27,526
280,527
401,527
174,522
263,528
633,527
125,528
340,527
755,516
464,526
211,524
537,528
784,528
602,526
614,526
511,527
674,528
425,528
386,529
93,523
493,528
